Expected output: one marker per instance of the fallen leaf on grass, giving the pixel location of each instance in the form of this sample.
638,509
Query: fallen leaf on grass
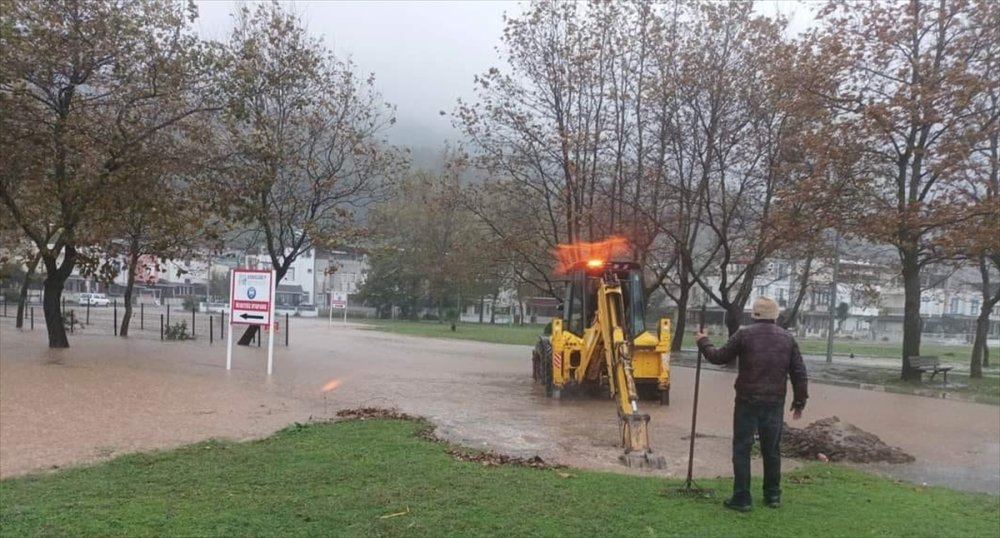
397,514
492,459
364,413
564,475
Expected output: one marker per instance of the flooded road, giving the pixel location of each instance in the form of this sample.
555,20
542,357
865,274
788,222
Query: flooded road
105,396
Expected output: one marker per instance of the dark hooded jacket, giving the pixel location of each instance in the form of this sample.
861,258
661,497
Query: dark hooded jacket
768,356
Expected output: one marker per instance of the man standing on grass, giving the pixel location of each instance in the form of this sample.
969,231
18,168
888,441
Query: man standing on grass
768,357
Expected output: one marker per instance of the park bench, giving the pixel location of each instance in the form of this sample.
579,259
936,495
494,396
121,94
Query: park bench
930,364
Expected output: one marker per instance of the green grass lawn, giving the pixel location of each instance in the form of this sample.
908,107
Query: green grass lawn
528,335
377,478
498,334
984,390
861,348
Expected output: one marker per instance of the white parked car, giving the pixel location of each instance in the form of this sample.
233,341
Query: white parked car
94,299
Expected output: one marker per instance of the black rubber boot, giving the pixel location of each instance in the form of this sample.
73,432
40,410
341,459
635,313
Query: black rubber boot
739,507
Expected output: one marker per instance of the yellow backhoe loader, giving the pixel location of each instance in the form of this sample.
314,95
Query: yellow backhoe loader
601,343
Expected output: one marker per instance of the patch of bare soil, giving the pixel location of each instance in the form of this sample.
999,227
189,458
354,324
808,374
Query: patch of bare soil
487,458
839,441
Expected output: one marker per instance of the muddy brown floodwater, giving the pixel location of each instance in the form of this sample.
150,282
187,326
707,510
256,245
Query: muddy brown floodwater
105,397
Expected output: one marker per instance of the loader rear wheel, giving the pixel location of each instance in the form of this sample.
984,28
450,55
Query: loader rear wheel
547,377
541,359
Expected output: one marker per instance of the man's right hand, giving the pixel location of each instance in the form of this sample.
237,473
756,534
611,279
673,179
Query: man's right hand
796,410
699,334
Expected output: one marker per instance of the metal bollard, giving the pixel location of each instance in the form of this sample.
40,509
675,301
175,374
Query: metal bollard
142,316
286,330
168,314
222,326
88,311
32,318
116,317
211,330
161,326
192,322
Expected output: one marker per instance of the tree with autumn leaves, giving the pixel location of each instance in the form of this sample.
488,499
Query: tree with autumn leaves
89,91
302,138
700,131
978,237
905,82
428,250
125,135
714,141
670,125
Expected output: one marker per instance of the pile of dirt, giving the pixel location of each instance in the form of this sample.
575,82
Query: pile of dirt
838,441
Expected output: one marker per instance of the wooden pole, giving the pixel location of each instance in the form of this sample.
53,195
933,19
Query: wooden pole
694,411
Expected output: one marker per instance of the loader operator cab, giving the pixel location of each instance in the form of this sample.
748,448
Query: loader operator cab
580,306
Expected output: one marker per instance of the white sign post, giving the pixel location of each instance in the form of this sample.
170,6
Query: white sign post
251,302
338,299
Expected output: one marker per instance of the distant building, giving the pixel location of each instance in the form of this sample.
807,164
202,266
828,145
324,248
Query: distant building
297,287
873,293
342,270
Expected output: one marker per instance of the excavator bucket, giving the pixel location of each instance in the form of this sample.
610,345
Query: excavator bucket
635,438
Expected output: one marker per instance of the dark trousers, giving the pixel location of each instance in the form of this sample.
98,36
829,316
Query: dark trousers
767,420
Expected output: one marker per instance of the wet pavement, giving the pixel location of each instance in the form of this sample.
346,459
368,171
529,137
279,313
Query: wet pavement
104,397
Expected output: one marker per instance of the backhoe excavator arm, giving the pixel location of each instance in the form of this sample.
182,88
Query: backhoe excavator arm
617,350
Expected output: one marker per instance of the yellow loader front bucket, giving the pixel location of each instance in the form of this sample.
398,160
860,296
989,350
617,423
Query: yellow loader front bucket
635,439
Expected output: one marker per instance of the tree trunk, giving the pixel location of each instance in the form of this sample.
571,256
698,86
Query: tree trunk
248,335
980,353
51,304
55,279
911,314
734,318
482,307
22,300
979,344
681,323
129,288
493,308
792,314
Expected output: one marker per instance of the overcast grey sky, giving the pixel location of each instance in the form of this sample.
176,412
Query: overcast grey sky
424,53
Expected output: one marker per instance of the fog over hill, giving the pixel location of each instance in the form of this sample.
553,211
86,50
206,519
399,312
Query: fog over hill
424,54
